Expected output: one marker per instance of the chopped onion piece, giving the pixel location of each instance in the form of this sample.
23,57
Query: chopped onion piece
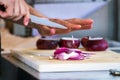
69,54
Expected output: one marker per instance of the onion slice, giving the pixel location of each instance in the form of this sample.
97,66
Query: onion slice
64,53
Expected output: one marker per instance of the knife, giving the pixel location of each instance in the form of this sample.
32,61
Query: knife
34,21
45,21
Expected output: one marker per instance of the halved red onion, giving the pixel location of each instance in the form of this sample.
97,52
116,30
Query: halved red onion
46,43
95,44
69,54
69,42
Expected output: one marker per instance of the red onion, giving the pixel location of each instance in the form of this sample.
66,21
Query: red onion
69,42
45,43
69,54
94,44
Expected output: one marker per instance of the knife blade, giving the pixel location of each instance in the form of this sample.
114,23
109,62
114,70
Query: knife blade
45,21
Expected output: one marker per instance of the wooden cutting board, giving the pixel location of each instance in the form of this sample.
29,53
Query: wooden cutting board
40,61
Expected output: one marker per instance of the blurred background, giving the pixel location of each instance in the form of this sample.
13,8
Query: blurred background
105,13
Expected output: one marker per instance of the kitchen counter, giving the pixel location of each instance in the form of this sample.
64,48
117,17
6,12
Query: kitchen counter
13,69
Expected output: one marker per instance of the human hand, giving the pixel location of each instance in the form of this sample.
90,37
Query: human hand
15,10
71,24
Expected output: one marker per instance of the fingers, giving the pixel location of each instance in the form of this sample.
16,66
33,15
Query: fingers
86,27
15,10
85,23
45,30
74,24
66,24
21,10
27,14
8,9
71,26
16,14
48,31
80,21
26,19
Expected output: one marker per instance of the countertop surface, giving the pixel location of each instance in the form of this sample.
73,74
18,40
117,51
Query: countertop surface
14,42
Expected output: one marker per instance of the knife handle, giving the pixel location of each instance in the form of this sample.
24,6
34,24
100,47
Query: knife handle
20,22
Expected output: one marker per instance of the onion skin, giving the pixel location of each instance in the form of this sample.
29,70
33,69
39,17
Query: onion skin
84,41
96,45
46,44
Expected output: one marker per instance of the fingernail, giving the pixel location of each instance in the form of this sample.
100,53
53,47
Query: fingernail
26,21
52,31
77,26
